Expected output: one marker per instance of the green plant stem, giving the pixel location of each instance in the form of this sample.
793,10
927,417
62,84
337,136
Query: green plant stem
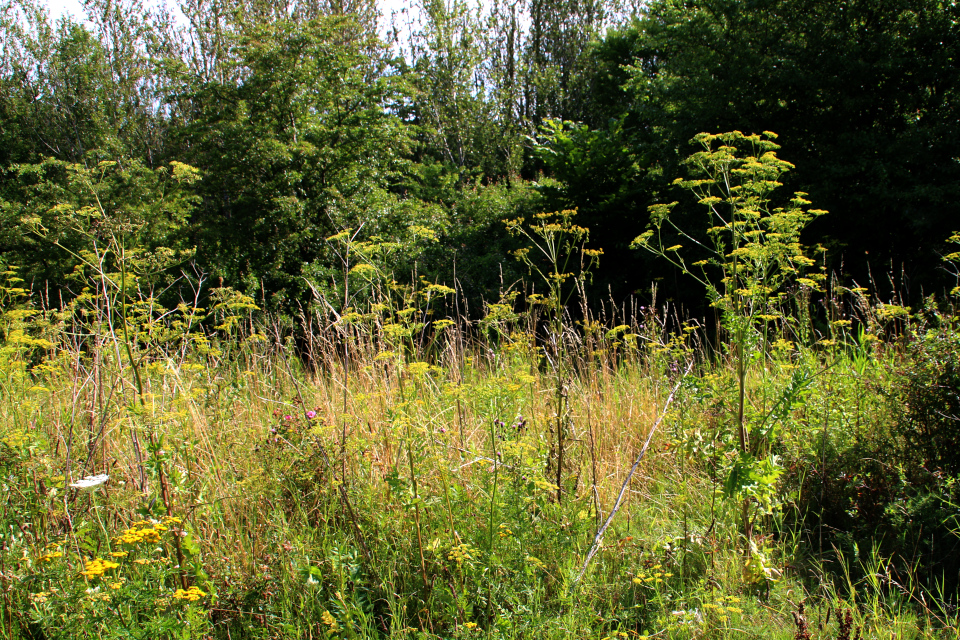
493,496
416,503
161,476
344,497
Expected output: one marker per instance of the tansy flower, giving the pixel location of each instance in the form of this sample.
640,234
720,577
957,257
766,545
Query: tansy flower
136,536
192,594
97,567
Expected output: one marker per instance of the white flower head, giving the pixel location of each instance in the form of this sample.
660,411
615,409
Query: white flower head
90,483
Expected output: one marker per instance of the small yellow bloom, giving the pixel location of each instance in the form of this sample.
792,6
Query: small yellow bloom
97,567
327,618
471,625
192,594
134,535
118,554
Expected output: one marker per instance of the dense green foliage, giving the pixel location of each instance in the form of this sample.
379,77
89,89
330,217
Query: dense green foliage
287,273
865,93
303,122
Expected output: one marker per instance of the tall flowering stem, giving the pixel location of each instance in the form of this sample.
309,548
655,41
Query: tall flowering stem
559,256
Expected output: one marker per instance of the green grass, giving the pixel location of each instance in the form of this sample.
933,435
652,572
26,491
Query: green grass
421,499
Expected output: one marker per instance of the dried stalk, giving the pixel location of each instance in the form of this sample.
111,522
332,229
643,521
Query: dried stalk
598,539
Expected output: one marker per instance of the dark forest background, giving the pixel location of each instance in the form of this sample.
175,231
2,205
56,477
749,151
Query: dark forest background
232,145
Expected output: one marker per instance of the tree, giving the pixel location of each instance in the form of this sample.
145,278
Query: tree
69,91
66,210
456,118
560,32
865,91
306,144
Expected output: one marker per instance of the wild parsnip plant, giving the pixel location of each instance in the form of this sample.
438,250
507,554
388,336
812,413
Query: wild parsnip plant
751,263
561,260
187,471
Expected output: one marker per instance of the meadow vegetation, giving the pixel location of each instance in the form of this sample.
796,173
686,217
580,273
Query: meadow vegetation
387,465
